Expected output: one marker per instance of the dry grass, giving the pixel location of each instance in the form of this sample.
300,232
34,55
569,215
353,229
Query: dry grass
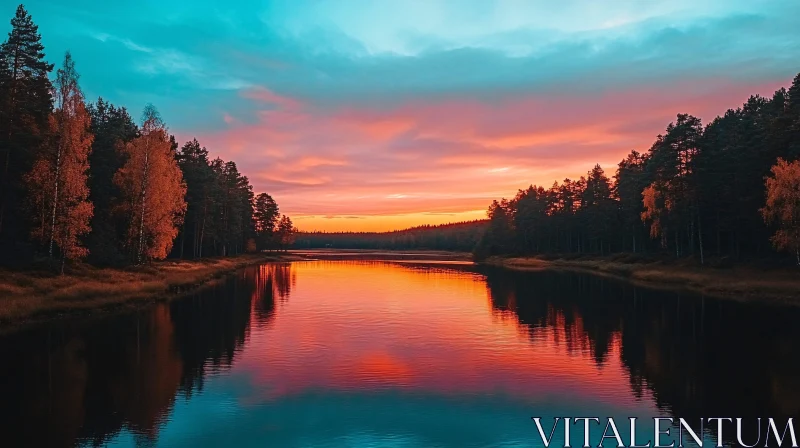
26,295
742,283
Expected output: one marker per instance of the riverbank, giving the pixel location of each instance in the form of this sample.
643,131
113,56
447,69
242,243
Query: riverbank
27,296
732,282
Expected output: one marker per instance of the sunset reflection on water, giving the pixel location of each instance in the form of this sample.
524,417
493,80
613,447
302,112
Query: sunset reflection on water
392,353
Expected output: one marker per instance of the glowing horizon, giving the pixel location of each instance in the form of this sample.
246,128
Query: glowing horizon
365,117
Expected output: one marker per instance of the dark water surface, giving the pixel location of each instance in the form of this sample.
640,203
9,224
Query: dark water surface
394,354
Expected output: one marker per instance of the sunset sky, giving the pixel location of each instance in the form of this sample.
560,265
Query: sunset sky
376,115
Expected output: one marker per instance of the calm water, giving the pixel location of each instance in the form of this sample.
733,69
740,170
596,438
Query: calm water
393,354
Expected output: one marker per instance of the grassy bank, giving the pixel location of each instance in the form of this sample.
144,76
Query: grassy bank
34,295
722,280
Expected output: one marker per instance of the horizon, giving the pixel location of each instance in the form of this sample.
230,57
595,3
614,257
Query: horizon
375,119
484,220
400,223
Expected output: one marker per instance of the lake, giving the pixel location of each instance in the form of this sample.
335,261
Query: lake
398,353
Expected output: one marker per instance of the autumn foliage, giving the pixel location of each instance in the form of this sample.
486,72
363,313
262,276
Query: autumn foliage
698,190
76,177
652,202
152,192
783,206
57,183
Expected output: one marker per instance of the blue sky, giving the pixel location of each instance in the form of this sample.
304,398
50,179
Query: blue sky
379,110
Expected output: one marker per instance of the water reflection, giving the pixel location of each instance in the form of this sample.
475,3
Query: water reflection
378,353
87,381
700,358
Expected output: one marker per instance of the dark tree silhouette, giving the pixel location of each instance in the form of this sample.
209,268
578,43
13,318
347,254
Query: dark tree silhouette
697,191
25,107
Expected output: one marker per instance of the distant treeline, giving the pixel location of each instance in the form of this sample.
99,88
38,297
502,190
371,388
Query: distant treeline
84,181
730,188
460,236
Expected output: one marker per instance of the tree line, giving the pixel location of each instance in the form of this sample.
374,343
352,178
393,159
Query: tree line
84,181
729,189
460,236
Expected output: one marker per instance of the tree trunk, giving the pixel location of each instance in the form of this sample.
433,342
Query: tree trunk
144,200
55,199
700,239
202,232
183,240
797,246
677,246
719,247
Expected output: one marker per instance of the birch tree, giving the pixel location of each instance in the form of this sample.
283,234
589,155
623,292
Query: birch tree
57,184
152,191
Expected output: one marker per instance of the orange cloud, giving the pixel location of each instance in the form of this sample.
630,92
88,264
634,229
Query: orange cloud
393,164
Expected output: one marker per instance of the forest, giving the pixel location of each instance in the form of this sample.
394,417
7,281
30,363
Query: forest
460,236
84,181
728,190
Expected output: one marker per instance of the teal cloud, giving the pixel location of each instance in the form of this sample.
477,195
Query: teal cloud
193,60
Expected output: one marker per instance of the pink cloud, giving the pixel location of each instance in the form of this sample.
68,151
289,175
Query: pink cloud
444,156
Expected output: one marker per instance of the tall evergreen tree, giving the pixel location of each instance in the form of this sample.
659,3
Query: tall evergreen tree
25,105
285,232
112,127
193,161
498,238
598,210
265,217
695,185
629,181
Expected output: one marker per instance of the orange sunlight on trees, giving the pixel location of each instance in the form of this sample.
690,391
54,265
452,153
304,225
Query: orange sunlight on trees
57,182
79,177
655,208
783,206
152,191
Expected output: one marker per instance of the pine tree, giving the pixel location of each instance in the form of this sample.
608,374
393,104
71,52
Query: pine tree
233,223
598,209
265,216
193,161
25,107
630,181
498,238
112,127
58,182
286,232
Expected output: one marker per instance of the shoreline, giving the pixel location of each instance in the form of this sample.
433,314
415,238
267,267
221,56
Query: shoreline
28,298
34,297
737,283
